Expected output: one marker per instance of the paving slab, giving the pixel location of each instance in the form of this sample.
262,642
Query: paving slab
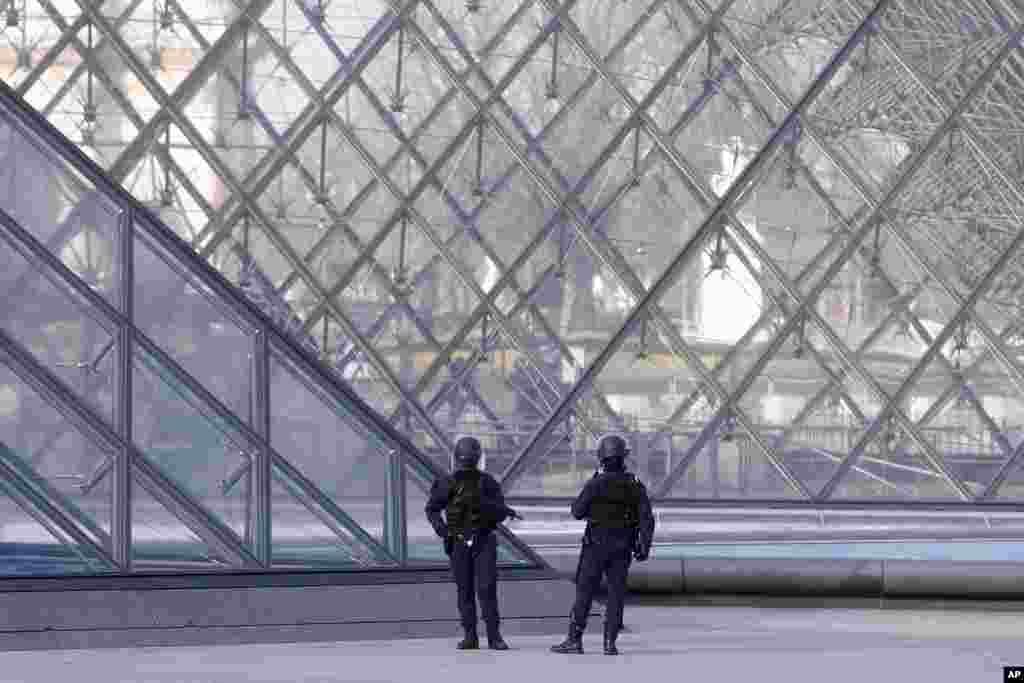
664,642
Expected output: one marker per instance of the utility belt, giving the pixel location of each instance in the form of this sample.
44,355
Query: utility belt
595,533
469,537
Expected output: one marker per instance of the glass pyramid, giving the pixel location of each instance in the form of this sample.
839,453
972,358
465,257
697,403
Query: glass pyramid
154,419
777,244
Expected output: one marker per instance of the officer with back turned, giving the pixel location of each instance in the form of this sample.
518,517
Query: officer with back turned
620,527
474,506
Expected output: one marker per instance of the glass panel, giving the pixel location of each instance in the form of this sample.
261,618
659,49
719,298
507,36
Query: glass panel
808,404
732,466
508,554
423,545
319,436
28,549
60,209
892,466
160,541
53,459
54,323
179,314
958,408
559,465
197,448
305,535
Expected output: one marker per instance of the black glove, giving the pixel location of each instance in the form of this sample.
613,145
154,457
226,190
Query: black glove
641,554
449,545
512,514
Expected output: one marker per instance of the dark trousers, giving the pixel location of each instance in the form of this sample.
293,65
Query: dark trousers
476,567
610,557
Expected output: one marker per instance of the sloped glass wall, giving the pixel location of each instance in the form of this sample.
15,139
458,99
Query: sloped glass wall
152,419
774,243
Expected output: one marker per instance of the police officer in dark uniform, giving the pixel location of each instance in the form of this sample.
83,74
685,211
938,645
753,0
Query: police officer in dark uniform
474,506
620,526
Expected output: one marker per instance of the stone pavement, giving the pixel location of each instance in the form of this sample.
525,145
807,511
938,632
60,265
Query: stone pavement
671,642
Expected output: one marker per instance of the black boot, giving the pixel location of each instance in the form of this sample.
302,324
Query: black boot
610,634
494,639
573,644
470,641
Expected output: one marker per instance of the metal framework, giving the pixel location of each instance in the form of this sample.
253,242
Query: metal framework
774,242
100,519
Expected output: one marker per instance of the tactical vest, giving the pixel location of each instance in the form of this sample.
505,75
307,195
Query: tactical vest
617,506
464,504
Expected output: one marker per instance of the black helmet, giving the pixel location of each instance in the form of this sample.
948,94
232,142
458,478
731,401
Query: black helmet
467,452
612,446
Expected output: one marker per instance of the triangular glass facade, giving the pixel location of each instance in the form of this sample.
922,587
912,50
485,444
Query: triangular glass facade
775,244
153,419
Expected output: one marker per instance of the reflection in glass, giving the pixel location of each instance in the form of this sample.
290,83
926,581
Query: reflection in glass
322,439
305,535
160,541
198,449
27,548
50,457
400,206
60,209
179,314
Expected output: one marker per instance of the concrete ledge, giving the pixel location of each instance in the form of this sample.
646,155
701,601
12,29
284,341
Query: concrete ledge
657,576
817,577
192,616
838,578
915,578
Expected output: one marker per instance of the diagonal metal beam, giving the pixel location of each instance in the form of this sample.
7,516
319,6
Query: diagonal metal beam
469,58
171,105
188,128
538,178
182,506
983,150
328,512
48,507
706,196
861,187
688,175
467,220
892,404
620,267
194,515
90,61
414,193
383,233
1007,468
268,168
50,57
512,169
736,190
339,223
440,362
509,327
980,288
70,34
849,174
478,354
211,530
765,318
